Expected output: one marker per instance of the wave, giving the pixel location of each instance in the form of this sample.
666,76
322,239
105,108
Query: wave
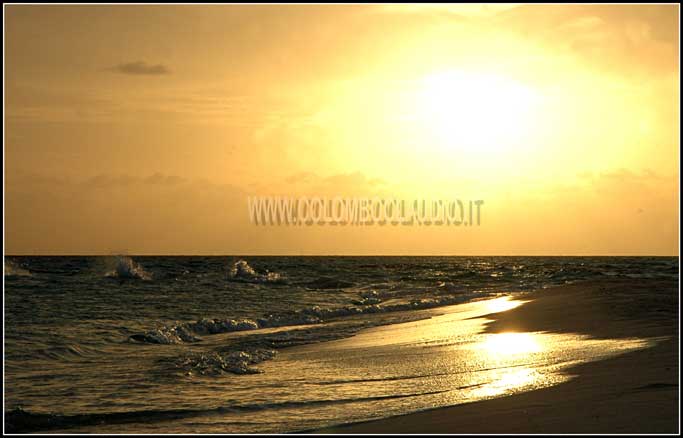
21,421
166,335
218,362
68,352
126,268
241,271
189,332
14,270
368,298
239,355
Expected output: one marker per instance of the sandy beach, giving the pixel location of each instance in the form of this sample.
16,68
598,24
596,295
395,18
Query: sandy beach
636,392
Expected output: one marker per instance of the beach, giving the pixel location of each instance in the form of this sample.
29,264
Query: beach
636,392
285,345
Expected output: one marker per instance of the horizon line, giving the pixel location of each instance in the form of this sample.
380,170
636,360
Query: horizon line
329,255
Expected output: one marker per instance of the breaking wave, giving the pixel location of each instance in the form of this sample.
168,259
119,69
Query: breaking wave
14,270
190,332
126,268
218,362
303,326
241,271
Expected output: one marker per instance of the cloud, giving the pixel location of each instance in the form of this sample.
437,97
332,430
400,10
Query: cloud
352,183
160,178
141,68
623,39
301,177
108,181
92,104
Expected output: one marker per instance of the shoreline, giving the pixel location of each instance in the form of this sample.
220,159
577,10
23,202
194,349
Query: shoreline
598,400
635,392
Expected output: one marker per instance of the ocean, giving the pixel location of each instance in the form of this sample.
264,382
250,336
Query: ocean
192,344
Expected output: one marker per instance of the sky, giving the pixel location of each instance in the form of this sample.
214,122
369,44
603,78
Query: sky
144,129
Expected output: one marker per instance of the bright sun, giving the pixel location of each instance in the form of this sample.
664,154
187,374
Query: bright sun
461,110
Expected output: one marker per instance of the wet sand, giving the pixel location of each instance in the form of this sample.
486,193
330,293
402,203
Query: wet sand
636,392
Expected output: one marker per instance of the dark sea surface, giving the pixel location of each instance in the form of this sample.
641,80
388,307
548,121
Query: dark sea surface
198,344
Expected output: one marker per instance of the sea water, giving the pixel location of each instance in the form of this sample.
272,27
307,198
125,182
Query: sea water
278,344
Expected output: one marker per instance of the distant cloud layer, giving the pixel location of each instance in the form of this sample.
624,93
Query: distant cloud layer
141,68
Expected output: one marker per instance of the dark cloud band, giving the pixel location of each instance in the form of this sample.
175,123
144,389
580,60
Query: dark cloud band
141,68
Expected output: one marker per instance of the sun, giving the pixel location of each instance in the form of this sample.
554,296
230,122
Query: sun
461,110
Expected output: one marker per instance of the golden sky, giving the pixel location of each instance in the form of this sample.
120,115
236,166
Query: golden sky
143,129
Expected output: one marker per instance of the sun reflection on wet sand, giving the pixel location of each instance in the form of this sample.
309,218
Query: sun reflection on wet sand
502,304
512,343
508,380
521,361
